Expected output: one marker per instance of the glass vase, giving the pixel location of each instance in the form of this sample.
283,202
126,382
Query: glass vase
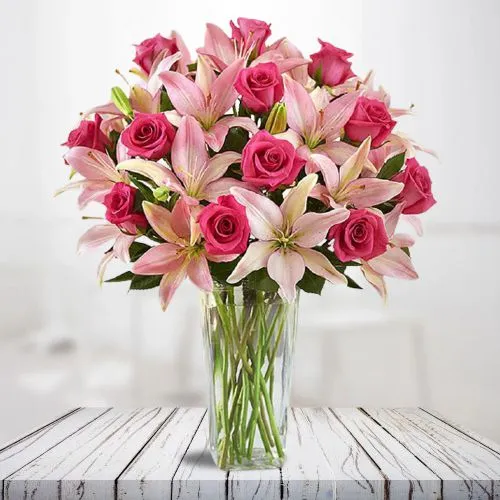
249,340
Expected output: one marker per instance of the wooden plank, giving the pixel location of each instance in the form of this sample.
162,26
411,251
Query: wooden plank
306,473
469,470
37,429
256,485
406,476
197,476
21,452
355,474
492,445
150,475
86,464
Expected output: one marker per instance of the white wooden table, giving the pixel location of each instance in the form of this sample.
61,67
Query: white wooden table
339,454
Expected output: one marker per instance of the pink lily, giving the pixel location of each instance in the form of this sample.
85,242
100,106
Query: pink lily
107,234
310,127
195,175
99,173
207,99
286,237
345,187
181,256
394,262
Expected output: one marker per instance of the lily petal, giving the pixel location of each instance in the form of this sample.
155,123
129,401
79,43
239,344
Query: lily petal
370,191
222,187
97,236
351,169
394,263
101,268
186,96
92,164
161,259
375,279
292,137
218,165
286,267
320,265
301,112
311,228
295,203
392,219
159,174
223,94
205,75
337,114
329,170
199,273
122,246
169,284
189,153
154,82
402,240
161,221
95,191
255,258
218,44
263,215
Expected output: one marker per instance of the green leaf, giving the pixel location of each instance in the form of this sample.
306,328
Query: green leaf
386,207
137,249
165,102
260,280
406,250
122,277
192,66
392,166
145,282
351,283
335,260
235,140
220,271
146,191
311,283
121,101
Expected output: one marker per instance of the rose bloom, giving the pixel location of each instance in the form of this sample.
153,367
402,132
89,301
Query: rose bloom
370,118
417,193
148,50
119,203
330,65
225,226
268,162
251,32
361,236
89,135
260,86
149,136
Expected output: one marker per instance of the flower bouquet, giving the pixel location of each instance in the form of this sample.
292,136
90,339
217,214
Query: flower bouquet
255,173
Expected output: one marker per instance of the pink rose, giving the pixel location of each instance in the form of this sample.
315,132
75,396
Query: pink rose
149,136
119,203
417,193
225,226
370,118
268,162
260,86
361,236
330,65
89,135
251,32
148,50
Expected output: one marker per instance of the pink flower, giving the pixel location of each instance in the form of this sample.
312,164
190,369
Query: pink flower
89,135
268,162
225,227
370,118
362,235
148,50
260,86
330,65
417,192
149,136
251,32
119,203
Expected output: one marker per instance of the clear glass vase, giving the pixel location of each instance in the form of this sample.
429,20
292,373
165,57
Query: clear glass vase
249,341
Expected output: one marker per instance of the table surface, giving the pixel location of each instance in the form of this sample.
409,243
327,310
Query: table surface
351,453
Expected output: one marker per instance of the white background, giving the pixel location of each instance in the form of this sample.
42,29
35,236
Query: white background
64,342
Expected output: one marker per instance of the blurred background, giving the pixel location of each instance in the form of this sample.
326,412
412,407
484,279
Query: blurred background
64,342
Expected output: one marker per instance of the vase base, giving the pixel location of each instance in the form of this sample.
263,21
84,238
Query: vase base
260,460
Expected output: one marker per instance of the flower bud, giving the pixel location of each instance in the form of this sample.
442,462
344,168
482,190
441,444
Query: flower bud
276,121
161,193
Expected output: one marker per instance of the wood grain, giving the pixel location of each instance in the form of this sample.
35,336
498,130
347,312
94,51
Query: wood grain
341,454
468,469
